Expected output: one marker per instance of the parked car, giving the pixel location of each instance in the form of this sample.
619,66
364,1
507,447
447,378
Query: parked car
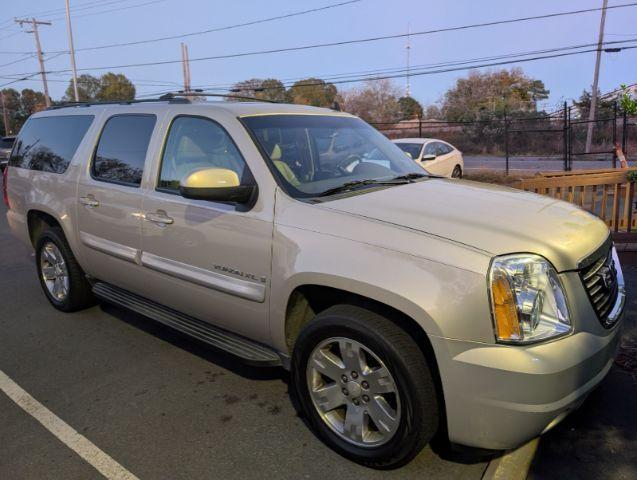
438,157
403,303
6,143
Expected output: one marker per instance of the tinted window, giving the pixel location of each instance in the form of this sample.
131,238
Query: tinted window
195,143
122,147
6,142
313,154
430,148
48,143
413,149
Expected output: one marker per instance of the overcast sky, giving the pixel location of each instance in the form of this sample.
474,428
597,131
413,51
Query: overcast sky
565,77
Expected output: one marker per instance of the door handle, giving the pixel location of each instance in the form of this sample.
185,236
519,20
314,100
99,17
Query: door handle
89,201
159,217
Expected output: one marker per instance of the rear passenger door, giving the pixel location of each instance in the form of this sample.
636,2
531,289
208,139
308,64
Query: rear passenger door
208,259
110,200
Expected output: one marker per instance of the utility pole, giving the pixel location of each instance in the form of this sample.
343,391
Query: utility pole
34,23
72,49
591,113
186,67
5,116
408,47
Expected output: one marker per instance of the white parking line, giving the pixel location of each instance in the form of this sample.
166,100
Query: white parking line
99,460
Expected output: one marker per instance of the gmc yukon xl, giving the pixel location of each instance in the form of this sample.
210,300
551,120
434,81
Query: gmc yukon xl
402,303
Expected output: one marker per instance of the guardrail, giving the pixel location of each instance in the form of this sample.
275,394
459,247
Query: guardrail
607,194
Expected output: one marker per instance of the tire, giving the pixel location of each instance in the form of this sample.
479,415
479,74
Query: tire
415,403
457,172
78,291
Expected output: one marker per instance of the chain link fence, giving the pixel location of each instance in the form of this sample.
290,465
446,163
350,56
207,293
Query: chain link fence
555,141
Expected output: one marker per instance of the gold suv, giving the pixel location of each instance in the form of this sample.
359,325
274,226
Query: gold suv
402,302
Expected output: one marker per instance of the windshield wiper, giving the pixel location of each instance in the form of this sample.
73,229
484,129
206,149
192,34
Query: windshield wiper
413,176
347,186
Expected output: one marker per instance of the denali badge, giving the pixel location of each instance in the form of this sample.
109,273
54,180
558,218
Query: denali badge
249,276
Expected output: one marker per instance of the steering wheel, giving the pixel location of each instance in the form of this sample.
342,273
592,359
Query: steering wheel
346,166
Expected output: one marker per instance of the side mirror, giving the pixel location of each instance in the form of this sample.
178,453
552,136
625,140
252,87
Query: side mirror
217,185
429,156
408,155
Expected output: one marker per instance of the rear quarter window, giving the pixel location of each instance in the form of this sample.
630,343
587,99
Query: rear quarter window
48,144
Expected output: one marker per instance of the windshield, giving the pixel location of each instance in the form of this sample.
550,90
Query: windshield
313,154
412,149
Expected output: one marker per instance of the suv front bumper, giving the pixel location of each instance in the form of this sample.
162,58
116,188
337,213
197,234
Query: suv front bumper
500,396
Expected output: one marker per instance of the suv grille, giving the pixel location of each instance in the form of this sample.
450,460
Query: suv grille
600,282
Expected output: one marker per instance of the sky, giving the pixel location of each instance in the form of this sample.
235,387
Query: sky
133,20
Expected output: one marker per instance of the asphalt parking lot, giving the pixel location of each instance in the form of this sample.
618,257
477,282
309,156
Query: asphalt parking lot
161,405
167,407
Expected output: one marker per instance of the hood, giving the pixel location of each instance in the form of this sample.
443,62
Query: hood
495,219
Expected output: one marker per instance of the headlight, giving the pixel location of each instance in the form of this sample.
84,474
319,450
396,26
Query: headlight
527,299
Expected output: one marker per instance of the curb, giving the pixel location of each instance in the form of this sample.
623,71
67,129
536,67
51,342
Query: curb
513,465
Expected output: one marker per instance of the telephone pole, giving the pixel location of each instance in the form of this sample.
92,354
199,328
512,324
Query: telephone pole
72,49
5,116
591,113
408,47
34,24
185,61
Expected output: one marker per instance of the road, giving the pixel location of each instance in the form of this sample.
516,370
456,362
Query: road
534,164
161,405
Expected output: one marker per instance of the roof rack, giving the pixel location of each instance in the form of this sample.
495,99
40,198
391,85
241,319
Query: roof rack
201,93
171,97
119,102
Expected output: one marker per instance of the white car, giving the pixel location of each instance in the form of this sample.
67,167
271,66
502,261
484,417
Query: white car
438,157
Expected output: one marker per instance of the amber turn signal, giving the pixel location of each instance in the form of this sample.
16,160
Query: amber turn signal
507,325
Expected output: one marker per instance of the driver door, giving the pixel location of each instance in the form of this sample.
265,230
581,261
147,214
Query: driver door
436,165
210,260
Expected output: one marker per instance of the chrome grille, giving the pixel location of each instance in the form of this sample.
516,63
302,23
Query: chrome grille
600,282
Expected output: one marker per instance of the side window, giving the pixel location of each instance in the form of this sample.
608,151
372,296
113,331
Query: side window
430,148
48,144
194,143
445,148
121,150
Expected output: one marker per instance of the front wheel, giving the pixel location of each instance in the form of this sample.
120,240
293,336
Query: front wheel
457,172
365,386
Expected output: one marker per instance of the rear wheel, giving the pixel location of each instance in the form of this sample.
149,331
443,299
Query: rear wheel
457,172
61,277
365,386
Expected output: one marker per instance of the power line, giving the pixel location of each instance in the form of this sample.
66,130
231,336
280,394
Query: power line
77,7
347,42
445,70
366,73
218,29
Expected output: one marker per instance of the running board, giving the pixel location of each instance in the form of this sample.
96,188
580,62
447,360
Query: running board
247,350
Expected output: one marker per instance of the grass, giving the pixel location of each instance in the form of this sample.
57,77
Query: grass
492,176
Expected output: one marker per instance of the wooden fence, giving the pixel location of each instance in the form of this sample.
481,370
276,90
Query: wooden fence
605,193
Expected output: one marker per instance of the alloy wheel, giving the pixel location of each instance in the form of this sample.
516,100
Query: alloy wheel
353,392
54,271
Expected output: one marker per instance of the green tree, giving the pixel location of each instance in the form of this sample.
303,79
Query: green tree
265,89
115,86
605,107
31,101
628,101
313,91
273,90
88,87
410,108
493,94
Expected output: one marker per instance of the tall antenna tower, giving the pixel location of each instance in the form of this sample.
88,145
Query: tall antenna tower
408,48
